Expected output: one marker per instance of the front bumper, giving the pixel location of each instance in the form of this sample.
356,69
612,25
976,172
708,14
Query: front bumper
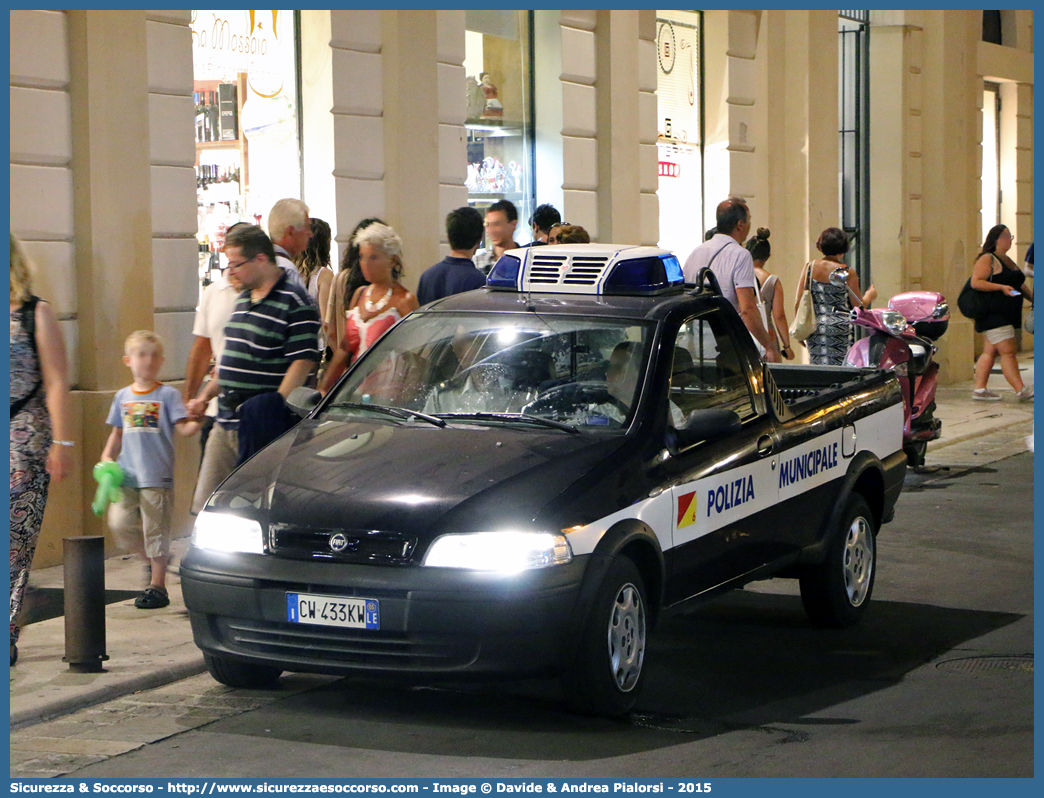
433,620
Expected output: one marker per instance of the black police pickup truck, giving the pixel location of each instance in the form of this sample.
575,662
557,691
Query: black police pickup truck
522,478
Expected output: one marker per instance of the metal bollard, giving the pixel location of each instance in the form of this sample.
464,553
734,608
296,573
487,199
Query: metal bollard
84,572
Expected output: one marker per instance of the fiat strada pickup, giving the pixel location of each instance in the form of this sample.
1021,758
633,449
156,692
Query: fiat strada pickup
525,477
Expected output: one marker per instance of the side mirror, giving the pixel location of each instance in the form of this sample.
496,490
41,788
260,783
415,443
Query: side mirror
706,425
303,400
839,277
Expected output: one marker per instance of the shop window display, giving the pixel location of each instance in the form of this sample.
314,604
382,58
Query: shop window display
499,117
246,121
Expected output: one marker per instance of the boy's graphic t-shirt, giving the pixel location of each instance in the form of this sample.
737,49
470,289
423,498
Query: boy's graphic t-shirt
147,419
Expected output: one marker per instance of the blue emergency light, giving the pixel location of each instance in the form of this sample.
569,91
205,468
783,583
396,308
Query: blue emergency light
605,269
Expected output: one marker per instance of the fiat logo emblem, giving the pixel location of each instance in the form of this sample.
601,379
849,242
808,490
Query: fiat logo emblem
338,542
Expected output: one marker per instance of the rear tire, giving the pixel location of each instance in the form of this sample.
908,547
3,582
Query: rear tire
607,672
836,592
236,673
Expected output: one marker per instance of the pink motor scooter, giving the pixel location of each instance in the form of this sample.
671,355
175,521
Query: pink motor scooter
903,339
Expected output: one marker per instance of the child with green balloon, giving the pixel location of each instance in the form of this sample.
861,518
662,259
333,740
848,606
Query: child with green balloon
136,475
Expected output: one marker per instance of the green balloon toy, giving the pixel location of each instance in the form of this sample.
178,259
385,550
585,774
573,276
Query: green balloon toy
109,477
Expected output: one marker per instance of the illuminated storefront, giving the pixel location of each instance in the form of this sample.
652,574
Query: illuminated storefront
245,91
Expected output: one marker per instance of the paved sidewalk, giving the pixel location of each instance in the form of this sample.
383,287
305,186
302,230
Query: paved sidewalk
150,648
146,648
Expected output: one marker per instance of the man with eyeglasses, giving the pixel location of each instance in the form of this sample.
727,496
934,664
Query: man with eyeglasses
271,346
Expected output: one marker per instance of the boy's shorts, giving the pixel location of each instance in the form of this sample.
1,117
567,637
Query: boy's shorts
142,514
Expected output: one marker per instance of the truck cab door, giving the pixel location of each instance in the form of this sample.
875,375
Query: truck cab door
724,490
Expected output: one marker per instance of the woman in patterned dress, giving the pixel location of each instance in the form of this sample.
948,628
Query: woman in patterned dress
829,343
39,406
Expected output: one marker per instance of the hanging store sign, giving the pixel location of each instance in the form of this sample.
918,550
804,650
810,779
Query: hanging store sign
259,43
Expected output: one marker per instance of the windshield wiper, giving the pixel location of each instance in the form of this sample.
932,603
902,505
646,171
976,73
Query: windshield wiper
397,412
516,417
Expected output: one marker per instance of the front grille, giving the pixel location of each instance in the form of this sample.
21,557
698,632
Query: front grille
346,647
360,546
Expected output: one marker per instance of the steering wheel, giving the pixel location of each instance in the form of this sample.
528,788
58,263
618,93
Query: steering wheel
571,396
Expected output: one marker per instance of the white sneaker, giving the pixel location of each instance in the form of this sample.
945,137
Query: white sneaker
985,395
1026,394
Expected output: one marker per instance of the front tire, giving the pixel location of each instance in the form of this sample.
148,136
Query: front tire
236,673
836,592
606,674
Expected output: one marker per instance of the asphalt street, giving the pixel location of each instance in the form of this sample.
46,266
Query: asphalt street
936,681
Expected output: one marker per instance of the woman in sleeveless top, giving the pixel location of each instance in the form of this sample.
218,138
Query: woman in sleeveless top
833,335
40,448
376,307
313,264
345,284
996,273
770,289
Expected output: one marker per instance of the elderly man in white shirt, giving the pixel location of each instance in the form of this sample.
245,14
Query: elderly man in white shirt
732,264
215,309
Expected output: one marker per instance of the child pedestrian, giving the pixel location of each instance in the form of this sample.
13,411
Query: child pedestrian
143,417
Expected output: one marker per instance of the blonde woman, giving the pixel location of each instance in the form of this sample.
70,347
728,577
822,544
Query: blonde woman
375,307
40,428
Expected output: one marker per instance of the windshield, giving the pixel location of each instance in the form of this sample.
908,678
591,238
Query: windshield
581,372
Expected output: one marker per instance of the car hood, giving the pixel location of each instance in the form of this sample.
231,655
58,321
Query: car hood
420,481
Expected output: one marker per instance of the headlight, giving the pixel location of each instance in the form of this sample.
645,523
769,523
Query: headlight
894,321
227,532
507,552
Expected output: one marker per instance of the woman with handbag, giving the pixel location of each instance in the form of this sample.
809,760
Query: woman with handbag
770,289
997,275
833,334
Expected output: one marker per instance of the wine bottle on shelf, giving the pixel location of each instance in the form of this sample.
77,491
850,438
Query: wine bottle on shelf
207,134
199,117
215,117
229,112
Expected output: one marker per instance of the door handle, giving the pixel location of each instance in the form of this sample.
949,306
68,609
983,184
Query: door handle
765,444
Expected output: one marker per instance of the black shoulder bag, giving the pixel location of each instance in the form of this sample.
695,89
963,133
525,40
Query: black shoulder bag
974,304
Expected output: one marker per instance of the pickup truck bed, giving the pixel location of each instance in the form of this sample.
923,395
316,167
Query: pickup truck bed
804,387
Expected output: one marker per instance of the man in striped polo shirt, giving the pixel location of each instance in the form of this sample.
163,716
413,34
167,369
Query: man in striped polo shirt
271,346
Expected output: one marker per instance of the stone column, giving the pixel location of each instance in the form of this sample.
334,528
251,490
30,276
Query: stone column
411,135
108,90
788,163
619,179
579,122
949,218
41,181
453,110
110,165
648,153
358,105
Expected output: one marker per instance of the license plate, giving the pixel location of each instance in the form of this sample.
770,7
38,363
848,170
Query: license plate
352,613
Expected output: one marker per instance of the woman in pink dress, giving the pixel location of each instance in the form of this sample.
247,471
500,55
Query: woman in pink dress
375,307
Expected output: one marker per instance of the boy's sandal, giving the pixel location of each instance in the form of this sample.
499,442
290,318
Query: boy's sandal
152,599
